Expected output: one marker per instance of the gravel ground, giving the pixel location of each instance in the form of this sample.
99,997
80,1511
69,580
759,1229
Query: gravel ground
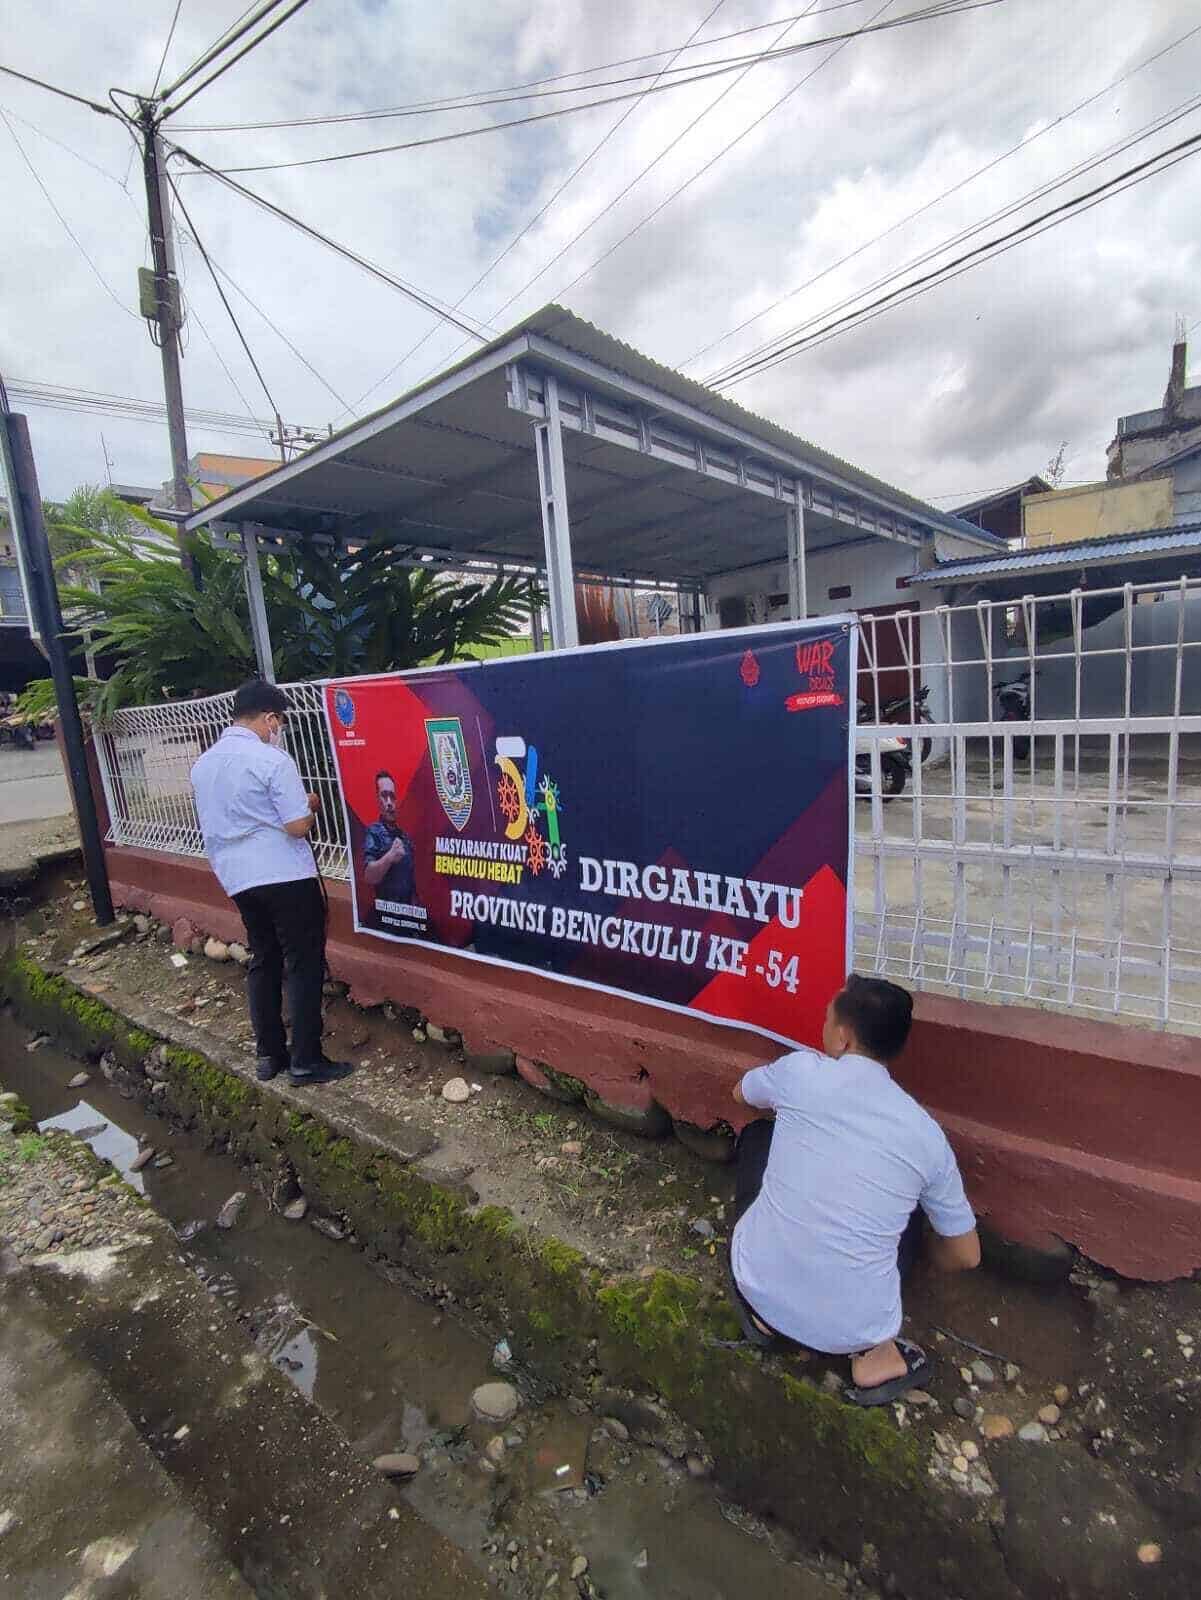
55,1197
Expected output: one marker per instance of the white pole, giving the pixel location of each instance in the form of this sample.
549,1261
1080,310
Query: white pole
556,528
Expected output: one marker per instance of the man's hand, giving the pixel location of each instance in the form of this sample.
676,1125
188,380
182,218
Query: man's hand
958,1252
398,849
314,803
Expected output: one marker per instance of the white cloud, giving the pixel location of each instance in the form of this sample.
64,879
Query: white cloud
970,386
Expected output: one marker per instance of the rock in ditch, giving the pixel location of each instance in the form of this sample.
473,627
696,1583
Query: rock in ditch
232,1209
495,1402
296,1210
78,1081
327,1226
1033,1433
240,954
456,1090
216,950
397,1466
996,1427
143,1158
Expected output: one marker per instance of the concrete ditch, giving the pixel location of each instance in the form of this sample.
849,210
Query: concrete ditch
874,1488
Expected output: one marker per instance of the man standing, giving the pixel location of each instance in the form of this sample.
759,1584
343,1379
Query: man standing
388,850
255,817
828,1196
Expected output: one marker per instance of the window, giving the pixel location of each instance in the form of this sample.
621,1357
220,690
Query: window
840,591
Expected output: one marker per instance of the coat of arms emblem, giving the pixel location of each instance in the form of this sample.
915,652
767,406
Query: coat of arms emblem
452,771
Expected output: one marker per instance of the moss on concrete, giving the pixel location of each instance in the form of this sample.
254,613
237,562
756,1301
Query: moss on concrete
839,1476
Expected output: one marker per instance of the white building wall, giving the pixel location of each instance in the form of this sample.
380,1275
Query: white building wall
870,568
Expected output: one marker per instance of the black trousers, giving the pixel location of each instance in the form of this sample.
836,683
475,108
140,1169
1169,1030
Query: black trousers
285,927
754,1147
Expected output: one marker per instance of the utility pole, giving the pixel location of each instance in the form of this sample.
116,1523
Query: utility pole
46,629
161,304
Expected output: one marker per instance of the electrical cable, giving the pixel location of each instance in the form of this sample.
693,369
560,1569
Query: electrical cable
937,11
253,44
376,271
1076,206
536,218
237,388
72,235
679,190
163,58
1117,147
40,83
465,102
50,139
232,34
204,256
944,195
56,397
253,304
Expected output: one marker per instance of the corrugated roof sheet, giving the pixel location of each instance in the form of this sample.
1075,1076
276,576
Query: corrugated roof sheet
573,333
1152,542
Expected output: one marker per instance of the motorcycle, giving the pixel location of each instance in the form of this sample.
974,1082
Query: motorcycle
1013,702
901,709
895,763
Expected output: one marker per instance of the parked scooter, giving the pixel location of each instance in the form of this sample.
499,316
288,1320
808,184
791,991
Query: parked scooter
895,763
901,709
1013,701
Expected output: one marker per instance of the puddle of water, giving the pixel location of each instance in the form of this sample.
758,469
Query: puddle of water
396,1373
106,1139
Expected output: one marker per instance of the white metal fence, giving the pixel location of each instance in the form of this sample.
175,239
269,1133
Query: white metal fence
146,755
1055,861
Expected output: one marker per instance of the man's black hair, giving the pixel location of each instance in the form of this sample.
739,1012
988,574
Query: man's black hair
383,774
879,1014
256,697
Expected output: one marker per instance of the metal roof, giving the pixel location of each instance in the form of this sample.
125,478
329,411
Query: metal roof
667,479
1079,552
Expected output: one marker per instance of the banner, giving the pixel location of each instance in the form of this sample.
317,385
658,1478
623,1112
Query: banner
667,819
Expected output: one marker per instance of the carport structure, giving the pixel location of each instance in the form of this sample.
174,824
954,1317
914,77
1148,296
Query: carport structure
559,451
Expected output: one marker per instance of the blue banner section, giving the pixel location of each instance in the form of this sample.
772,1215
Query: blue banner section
667,819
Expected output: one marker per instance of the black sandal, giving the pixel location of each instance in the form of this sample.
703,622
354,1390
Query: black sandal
918,1369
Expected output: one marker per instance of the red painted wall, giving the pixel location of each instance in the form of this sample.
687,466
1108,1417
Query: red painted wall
1063,1126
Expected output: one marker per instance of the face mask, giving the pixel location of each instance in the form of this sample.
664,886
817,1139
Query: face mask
276,738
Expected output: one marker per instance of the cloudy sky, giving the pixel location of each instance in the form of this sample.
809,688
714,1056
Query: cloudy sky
789,171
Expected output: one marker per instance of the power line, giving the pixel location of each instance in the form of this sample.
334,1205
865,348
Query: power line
944,195
679,190
204,256
275,328
253,44
225,368
57,397
50,139
40,83
465,102
232,34
941,8
538,215
163,58
72,235
393,282
952,269
1107,153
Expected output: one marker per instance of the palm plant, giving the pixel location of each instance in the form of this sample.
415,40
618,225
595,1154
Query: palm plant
332,613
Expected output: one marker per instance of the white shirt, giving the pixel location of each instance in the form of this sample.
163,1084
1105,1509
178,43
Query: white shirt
245,791
851,1156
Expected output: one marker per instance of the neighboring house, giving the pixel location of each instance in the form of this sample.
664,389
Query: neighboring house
12,605
212,475
1002,513
1154,477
